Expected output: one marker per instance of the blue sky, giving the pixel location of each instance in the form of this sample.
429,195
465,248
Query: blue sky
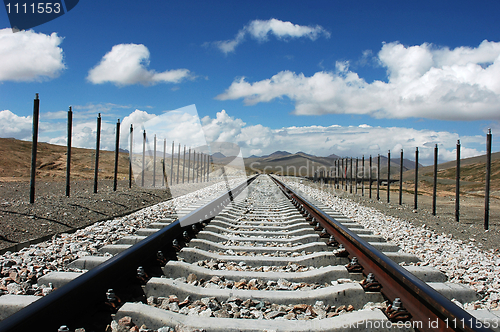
344,77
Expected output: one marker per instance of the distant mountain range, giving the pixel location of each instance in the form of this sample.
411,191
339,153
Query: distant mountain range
304,164
218,155
278,154
286,153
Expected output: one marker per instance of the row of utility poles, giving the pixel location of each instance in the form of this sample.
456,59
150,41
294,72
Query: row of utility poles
343,177
200,165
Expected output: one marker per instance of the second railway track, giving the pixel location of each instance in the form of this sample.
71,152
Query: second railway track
267,259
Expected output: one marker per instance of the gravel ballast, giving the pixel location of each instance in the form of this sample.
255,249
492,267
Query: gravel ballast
19,271
462,261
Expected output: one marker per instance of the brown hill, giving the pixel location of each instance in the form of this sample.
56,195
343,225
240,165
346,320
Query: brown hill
15,162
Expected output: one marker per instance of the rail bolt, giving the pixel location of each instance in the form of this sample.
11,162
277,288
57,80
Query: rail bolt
160,257
141,272
397,304
313,221
110,295
332,241
324,234
194,228
112,300
318,227
309,217
186,237
396,312
354,266
142,275
370,284
341,252
176,245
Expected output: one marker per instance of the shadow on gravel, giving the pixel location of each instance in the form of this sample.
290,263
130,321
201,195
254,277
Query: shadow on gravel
2,238
36,217
23,223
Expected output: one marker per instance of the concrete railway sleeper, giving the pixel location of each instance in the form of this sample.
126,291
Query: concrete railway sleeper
268,260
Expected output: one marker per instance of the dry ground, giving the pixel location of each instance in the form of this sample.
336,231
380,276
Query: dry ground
54,213
15,162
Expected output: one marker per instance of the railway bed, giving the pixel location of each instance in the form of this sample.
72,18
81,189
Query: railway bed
265,259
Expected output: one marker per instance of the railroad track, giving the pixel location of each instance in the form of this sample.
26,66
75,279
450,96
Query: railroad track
268,259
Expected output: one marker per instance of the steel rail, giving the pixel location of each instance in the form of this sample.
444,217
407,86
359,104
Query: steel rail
427,306
82,296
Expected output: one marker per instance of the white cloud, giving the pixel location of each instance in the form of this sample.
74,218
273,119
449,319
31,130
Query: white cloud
85,130
422,81
261,29
181,126
15,126
28,56
212,127
137,117
126,64
343,141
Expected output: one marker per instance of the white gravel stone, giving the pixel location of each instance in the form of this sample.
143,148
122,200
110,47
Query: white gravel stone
462,262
